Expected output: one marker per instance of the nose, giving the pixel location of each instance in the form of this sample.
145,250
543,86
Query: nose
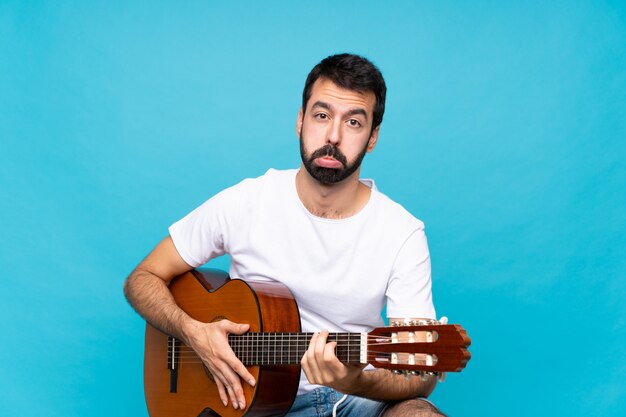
334,133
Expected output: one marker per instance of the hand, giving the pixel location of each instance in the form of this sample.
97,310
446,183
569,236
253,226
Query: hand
321,366
210,342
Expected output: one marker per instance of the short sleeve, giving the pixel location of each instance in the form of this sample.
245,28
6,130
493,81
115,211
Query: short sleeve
409,292
204,233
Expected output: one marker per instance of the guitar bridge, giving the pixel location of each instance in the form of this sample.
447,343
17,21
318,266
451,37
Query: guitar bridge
173,350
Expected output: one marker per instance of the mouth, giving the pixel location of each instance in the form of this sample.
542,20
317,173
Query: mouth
327,162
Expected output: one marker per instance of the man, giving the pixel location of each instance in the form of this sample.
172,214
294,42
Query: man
343,248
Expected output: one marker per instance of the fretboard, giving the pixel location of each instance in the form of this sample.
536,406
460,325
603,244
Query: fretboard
288,348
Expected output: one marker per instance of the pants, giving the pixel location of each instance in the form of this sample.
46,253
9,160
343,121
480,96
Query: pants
320,403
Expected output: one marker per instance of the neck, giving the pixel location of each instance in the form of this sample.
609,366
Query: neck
288,348
332,201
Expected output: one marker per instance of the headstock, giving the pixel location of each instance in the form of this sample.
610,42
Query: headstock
419,346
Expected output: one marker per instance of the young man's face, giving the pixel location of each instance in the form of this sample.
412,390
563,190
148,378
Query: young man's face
335,131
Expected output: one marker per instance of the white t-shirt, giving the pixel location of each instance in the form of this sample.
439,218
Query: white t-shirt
341,272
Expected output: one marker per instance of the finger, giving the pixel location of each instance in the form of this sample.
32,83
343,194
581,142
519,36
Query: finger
309,361
234,362
235,328
325,352
232,396
233,386
223,386
241,370
231,391
307,370
334,369
329,355
320,344
223,374
330,365
221,390
326,363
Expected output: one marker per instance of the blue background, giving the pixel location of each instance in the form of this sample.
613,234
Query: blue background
505,132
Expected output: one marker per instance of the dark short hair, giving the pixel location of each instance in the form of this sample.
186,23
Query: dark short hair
351,72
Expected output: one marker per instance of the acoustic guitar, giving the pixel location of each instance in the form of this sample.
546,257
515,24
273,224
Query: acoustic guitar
177,384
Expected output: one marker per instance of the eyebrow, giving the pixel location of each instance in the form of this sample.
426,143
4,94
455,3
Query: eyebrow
351,112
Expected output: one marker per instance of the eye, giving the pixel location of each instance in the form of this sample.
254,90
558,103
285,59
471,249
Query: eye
354,123
321,116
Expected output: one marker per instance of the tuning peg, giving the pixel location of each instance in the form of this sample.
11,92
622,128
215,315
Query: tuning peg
396,372
396,323
427,375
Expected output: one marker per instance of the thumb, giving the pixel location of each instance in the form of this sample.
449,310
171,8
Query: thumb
236,328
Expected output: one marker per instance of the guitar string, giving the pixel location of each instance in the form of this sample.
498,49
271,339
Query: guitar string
279,348
295,360
304,347
258,341
291,357
296,351
257,356
272,338
341,340
354,338
253,339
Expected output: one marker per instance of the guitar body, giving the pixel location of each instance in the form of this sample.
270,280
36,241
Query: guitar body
190,391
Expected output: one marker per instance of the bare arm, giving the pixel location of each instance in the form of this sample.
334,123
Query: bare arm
147,291
321,366
383,385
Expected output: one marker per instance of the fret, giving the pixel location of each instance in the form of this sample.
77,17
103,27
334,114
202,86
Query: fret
279,348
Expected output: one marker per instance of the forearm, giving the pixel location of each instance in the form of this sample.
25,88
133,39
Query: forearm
151,298
383,385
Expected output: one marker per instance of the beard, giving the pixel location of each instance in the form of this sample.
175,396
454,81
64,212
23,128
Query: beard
329,176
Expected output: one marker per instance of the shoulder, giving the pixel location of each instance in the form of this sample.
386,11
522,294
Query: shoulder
278,176
394,213
271,178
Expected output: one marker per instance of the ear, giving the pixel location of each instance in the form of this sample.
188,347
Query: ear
373,139
299,123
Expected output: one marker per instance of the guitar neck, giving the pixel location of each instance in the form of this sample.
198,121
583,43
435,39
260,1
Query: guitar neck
287,348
